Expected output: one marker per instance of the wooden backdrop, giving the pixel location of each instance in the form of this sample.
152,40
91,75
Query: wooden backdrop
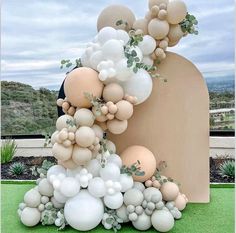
174,124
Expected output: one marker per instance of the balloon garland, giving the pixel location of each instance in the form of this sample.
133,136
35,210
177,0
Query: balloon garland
91,183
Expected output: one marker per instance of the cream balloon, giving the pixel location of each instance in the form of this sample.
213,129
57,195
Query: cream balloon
139,85
84,117
141,24
81,156
62,153
62,122
116,126
176,11
85,136
175,33
113,13
152,3
158,29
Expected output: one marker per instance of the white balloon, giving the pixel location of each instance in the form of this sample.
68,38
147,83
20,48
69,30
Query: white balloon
126,182
97,187
105,34
147,61
84,212
69,187
162,220
95,59
113,49
114,158
30,216
123,35
147,45
139,185
57,204
32,198
98,131
110,172
85,60
73,172
123,72
114,201
94,167
55,170
139,85
45,188
59,196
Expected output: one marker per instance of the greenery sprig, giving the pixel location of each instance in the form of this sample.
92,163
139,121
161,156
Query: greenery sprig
188,25
67,63
112,219
71,123
122,22
96,102
161,167
133,169
43,169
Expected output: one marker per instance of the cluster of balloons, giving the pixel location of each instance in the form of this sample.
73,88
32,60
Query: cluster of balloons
84,191
101,96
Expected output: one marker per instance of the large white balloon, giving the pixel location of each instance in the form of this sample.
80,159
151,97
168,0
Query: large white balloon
97,187
162,220
95,59
105,34
126,182
55,170
114,201
123,35
123,72
69,187
147,45
94,167
30,216
139,85
114,158
110,172
113,49
84,212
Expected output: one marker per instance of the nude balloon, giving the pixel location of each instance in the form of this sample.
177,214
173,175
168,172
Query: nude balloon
176,11
147,161
116,126
111,14
158,29
175,33
152,3
141,24
80,81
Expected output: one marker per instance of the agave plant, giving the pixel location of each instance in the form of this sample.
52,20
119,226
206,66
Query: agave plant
17,169
227,169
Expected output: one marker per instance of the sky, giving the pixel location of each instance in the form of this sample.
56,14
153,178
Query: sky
38,34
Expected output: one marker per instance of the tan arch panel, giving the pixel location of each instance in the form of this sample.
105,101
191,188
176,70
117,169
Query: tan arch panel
174,124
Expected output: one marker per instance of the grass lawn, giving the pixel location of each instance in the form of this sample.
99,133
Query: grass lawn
215,217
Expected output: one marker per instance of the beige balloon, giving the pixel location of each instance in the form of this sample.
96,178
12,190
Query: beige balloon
113,13
158,29
116,126
62,153
152,3
175,33
125,110
85,136
70,164
146,158
80,81
176,11
81,155
173,43
113,92
141,24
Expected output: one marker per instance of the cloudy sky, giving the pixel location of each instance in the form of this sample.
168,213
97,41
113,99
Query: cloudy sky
37,34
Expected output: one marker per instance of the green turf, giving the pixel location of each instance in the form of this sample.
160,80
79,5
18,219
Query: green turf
215,217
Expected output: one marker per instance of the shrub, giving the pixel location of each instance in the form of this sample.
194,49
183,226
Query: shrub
43,169
17,169
8,149
227,169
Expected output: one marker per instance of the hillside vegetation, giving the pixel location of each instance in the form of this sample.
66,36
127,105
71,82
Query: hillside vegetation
26,110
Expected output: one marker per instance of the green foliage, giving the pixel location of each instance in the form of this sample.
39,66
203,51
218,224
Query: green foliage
68,63
133,169
26,110
96,102
43,169
17,169
49,215
122,22
188,25
8,149
112,219
227,169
